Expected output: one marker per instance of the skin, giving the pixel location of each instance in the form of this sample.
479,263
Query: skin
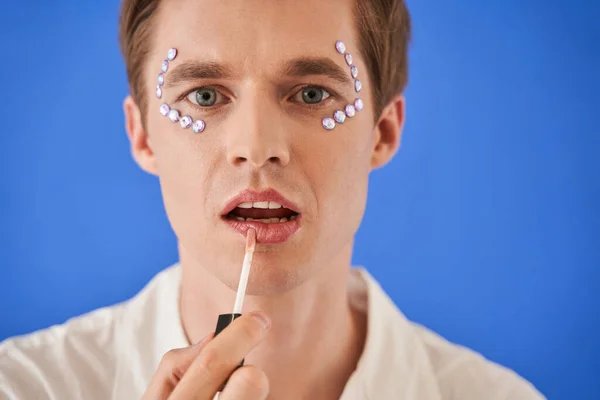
262,135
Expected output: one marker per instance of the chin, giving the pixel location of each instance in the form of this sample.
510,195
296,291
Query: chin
271,279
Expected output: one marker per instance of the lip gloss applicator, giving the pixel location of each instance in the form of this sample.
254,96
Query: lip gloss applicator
226,319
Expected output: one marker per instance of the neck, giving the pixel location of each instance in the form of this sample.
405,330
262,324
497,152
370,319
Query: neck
312,319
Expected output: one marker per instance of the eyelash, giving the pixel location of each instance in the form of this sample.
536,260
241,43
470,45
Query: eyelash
332,96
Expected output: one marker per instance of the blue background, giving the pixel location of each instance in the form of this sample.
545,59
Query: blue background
489,213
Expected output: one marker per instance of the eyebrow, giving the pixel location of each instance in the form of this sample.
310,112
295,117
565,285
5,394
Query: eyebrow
194,70
306,66
298,67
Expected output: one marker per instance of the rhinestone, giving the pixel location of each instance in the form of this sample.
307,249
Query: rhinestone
339,116
358,104
174,115
348,58
158,92
161,79
354,71
328,123
340,47
350,110
164,109
198,126
186,121
165,66
357,85
172,54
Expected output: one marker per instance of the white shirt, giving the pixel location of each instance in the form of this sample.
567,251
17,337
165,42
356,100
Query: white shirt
112,353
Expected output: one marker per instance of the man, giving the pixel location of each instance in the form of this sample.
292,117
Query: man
244,131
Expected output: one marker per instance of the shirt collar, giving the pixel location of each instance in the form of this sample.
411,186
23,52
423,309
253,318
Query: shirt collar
394,362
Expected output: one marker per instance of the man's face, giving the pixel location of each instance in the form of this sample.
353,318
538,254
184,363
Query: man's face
263,131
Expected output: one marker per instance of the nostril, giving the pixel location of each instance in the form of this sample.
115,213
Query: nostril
274,159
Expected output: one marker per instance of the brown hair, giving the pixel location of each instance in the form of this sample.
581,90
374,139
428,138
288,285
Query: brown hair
383,26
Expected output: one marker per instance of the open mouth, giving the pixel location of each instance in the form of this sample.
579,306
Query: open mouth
267,212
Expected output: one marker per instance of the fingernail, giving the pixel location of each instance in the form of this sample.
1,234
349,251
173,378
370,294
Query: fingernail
262,318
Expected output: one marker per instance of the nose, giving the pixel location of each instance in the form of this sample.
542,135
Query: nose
257,136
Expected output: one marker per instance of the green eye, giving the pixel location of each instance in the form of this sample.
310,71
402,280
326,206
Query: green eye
313,94
205,97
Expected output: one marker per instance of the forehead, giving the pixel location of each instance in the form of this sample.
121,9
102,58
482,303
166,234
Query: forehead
253,32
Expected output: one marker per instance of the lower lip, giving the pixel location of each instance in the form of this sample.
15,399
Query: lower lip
267,233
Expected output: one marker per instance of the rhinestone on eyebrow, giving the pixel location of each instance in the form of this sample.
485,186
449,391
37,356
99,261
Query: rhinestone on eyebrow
348,57
165,109
171,54
350,110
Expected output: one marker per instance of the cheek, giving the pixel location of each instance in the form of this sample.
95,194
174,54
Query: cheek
340,168
182,167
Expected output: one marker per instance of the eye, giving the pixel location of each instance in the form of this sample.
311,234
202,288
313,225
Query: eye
311,95
205,97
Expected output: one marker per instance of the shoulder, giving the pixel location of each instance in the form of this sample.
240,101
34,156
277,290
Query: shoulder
464,374
46,363
91,356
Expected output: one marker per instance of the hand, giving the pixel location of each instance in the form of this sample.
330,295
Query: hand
198,371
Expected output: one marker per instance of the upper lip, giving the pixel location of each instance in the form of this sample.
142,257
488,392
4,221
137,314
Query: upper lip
252,196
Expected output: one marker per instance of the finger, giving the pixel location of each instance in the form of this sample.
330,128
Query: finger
171,369
248,383
221,356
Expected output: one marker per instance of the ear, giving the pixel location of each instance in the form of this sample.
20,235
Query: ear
388,132
141,149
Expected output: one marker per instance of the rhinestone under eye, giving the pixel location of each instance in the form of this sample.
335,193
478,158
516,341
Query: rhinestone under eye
185,122
198,126
164,109
328,123
354,71
165,66
350,110
161,79
158,92
358,104
174,115
339,116
340,47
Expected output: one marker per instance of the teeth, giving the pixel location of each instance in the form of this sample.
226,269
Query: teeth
261,204
273,205
265,220
293,217
245,205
